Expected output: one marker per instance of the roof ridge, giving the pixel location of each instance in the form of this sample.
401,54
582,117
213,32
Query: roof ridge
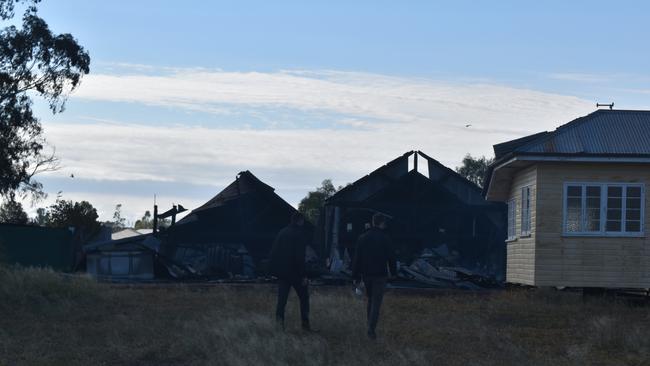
574,123
348,187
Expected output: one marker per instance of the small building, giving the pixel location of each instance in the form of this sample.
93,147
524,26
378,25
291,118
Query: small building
130,258
433,212
576,202
36,246
232,233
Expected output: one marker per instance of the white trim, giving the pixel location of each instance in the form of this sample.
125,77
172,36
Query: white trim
525,212
511,205
603,209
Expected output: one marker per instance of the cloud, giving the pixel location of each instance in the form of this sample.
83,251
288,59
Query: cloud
580,77
374,119
385,99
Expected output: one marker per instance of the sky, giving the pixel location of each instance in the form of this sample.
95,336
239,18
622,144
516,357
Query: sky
184,95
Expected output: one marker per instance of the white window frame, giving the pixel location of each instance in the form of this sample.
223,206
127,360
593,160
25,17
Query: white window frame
525,221
603,210
511,219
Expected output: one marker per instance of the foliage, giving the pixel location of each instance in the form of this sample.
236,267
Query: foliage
311,205
33,61
80,215
41,218
119,222
11,212
146,222
474,169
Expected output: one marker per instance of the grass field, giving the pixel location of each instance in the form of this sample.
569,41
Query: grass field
47,320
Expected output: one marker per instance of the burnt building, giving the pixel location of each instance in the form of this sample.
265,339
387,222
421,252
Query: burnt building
432,211
232,233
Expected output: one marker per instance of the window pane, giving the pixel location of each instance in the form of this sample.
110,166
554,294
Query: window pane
633,215
573,220
594,215
593,225
593,191
614,191
613,215
633,202
525,210
593,202
574,191
573,203
613,226
614,203
633,226
634,191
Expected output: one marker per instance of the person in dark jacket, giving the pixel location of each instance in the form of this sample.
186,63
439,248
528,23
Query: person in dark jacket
373,262
287,263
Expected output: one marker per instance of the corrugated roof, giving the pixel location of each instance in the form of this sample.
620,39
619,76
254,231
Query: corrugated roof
603,132
507,147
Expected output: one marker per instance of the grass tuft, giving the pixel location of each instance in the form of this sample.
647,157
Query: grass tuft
47,319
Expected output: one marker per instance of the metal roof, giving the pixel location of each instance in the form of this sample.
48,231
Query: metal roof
618,134
603,132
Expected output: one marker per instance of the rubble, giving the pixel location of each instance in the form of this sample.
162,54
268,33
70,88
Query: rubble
435,270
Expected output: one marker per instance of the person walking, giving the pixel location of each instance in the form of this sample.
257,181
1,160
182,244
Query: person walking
287,263
373,262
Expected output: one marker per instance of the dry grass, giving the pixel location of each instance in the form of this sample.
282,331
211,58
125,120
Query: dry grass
45,320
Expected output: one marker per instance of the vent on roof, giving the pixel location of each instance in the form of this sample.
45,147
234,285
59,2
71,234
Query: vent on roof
610,105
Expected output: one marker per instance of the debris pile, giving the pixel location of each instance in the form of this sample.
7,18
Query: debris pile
436,268
231,261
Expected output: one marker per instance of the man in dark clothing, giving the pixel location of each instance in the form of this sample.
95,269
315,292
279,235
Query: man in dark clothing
287,263
374,257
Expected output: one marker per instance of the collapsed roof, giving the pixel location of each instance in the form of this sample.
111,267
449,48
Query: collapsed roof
246,215
429,206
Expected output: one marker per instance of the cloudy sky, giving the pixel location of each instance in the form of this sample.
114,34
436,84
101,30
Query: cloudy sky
184,95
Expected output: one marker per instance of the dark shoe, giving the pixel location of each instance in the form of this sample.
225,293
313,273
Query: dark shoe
372,335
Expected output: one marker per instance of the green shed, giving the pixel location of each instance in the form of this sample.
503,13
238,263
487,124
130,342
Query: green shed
37,246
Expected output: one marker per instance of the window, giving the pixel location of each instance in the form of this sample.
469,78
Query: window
603,209
512,220
525,211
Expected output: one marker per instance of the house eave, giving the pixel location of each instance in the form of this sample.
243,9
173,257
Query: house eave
498,188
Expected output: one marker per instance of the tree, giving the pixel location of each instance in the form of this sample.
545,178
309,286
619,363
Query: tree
310,205
118,221
146,222
474,169
41,218
11,212
33,61
80,215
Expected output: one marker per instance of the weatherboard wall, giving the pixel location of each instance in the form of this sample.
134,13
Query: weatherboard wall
520,266
586,261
